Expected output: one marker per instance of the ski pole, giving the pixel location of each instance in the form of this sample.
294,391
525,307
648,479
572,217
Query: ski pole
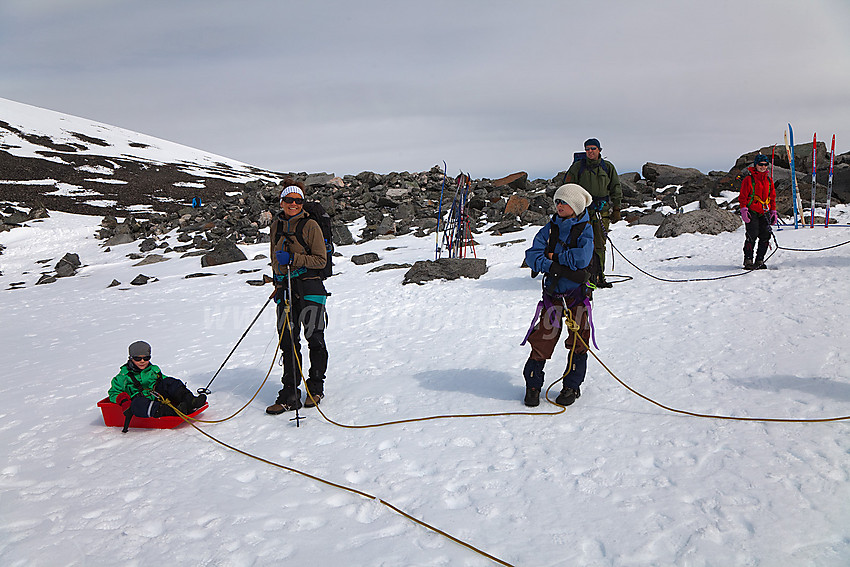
829,183
440,211
287,310
207,389
814,178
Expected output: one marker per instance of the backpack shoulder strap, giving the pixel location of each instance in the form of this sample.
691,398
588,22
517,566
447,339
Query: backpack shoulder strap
299,232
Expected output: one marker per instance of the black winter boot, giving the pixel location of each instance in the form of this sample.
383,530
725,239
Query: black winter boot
573,377
532,397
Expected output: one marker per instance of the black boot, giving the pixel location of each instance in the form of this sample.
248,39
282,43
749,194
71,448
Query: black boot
573,377
534,377
198,401
568,396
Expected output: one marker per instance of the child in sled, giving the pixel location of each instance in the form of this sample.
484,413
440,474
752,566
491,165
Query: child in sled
134,387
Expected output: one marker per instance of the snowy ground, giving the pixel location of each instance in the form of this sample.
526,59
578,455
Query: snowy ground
613,481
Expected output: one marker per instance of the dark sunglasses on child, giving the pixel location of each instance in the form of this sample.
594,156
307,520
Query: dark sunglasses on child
141,358
296,200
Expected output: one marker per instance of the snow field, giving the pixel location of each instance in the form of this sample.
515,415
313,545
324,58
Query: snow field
613,481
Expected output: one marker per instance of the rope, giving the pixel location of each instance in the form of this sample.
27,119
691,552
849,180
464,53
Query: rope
704,415
361,493
810,249
669,280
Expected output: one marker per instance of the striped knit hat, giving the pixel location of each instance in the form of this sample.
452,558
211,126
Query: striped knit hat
289,189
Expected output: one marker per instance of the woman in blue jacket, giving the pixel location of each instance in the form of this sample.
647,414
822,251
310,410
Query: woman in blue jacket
561,250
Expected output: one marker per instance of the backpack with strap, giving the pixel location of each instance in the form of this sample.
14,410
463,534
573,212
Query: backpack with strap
317,212
582,157
578,276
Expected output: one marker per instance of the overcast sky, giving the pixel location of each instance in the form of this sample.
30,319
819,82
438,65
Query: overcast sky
489,86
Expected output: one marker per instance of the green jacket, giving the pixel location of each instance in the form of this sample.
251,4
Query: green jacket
123,383
596,181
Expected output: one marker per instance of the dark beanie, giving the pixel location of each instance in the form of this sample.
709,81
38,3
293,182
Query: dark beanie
593,142
140,348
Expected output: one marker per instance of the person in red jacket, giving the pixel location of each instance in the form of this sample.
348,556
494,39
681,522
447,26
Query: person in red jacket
758,211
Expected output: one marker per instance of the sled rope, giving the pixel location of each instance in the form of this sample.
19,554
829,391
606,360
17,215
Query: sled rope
361,493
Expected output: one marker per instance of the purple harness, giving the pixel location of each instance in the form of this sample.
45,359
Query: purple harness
546,304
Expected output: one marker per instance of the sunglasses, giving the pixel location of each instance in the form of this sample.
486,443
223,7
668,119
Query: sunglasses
590,148
560,202
141,358
296,200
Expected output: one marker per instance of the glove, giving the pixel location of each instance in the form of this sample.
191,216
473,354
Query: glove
615,214
555,269
123,400
774,218
745,215
283,257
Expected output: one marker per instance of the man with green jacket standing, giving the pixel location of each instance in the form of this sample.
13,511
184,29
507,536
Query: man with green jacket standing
599,178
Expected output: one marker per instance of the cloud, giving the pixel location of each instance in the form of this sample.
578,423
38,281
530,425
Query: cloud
493,85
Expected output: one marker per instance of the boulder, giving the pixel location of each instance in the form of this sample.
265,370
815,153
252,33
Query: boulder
368,258
445,269
517,180
67,266
709,219
661,175
516,206
123,238
225,252
141,279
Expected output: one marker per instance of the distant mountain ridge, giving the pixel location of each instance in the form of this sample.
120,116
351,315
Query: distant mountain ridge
72,164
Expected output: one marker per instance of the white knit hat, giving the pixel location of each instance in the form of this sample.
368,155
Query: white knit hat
575,196
291,189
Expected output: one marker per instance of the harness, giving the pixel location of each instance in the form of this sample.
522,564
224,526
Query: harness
577,276
765,203
580,295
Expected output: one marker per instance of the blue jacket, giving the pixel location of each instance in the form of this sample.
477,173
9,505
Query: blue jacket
577,258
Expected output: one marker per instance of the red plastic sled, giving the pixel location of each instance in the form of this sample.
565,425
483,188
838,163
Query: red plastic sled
114,417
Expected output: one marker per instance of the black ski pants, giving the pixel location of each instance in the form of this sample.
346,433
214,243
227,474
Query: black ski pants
308,313
757,229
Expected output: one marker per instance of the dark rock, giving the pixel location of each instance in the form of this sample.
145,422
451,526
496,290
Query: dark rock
445,269
45,279
197,275
385,267
710,219
124,238
67,266
367,258
224,252
141,279
661,175
114,283
147,245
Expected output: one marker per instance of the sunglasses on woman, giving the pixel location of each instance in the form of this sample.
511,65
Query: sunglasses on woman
296,200
141,358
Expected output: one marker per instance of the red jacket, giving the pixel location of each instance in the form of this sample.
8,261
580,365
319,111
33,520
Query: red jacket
764,198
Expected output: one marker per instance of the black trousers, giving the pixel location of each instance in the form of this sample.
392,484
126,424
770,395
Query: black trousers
307,313
757,229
